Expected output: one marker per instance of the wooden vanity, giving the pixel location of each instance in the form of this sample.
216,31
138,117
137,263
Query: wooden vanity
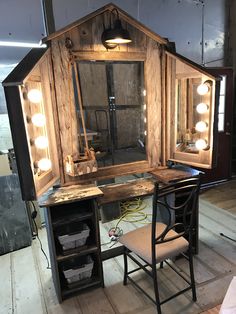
145,106
67,206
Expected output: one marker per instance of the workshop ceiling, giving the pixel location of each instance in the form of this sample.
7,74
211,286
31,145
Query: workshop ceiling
20,21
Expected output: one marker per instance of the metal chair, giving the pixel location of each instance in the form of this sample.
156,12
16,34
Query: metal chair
159,242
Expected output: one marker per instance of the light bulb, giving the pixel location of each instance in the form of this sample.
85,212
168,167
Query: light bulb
201,126
145,133
41,142
44,164
203,89
145,120
202,108
38,119
35,96
144,107
201,144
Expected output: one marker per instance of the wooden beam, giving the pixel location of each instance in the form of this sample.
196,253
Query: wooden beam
112,172
109,55
191,63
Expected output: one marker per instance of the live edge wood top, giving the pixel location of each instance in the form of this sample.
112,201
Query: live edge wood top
116,192
124,191
69,194
174,174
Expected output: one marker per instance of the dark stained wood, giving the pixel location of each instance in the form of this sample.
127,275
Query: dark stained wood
22,70
113,252
125,191
174,174
20,142
58,263
113,171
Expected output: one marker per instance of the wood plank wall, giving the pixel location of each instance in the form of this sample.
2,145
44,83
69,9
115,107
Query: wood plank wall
87,40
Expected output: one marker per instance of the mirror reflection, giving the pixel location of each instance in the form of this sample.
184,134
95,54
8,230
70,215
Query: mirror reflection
113,98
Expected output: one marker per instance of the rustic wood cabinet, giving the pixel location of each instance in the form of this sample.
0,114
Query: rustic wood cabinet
74,245
176,102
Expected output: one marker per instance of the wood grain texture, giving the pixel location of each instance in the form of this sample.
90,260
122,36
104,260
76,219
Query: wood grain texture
65,99
109,55
113,172
69,194
125,191
123,16
171,175
214,310
154,103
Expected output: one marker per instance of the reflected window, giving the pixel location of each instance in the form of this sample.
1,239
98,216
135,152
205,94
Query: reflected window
221,111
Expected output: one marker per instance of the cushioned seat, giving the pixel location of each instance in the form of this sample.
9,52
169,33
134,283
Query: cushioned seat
158,242
139,240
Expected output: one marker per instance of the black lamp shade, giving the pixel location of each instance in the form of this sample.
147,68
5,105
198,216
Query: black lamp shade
111,37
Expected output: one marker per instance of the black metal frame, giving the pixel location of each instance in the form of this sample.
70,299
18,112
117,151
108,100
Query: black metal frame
189,188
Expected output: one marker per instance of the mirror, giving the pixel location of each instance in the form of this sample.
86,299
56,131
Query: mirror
193,109
113,95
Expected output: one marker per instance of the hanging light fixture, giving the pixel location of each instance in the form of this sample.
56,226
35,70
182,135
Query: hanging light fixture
115,35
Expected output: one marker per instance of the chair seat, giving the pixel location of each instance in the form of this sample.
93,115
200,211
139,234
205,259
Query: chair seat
139,242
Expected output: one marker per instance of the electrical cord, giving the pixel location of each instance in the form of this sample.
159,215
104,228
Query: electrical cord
131,211
34,215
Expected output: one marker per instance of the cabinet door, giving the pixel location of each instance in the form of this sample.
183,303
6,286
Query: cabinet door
191,117
30,100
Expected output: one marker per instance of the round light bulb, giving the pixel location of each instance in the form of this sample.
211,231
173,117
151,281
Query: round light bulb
41,142
201,126
202,108
203,89
38,119
34,95
44,164
201,144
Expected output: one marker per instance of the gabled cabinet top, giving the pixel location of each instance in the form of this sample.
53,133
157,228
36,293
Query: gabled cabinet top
79,94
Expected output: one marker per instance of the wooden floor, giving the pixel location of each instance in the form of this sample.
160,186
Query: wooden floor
26,283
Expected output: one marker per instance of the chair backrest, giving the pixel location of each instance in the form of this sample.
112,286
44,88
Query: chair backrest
178,200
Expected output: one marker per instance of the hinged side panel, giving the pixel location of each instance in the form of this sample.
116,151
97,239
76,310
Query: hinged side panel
30,103
191,97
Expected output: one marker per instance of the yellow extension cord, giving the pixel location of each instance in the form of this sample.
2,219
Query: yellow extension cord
131,211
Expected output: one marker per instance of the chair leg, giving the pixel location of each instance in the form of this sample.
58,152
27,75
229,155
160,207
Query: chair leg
125,268
194,296
154,275
161,264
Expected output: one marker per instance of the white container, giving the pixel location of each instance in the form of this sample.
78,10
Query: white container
72,241
82,272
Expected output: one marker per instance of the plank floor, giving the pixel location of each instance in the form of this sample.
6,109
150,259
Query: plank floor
26,283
